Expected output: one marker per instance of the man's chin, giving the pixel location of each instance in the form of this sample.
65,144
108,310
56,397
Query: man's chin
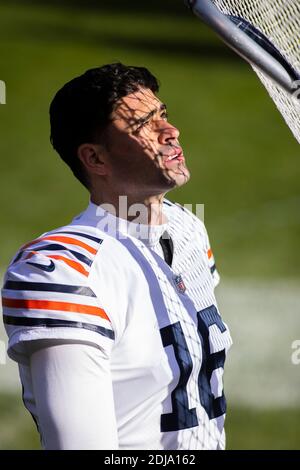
179,177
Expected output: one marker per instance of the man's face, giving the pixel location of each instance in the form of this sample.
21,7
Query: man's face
144,153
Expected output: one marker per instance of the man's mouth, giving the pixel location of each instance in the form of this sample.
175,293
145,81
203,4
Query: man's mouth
176,157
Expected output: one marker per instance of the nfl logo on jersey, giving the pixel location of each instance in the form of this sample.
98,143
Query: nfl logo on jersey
179,283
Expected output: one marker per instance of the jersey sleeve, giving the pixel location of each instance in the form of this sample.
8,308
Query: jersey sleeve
48,296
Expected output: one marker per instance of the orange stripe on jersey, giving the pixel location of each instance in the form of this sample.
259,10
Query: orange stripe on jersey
63,239
71,241
51,305
73,264
209,253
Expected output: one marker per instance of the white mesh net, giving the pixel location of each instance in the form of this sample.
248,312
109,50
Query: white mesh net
279,20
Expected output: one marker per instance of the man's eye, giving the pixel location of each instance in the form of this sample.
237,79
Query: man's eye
140,127
164,115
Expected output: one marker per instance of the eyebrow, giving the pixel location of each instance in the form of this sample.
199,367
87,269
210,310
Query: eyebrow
147,116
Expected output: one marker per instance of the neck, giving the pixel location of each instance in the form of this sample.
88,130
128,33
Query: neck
144,210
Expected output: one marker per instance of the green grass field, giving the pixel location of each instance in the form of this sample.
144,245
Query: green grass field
244,161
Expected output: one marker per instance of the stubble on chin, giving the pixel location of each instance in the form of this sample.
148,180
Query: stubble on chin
176,177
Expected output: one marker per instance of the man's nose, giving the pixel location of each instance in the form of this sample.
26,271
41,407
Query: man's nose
167,133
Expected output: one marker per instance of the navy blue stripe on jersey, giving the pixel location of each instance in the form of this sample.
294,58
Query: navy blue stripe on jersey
49,287
80,234
168,203
19,255
54,246
55,323
57,247
213,268
176,205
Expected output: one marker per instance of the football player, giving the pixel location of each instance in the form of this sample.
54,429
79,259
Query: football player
113,318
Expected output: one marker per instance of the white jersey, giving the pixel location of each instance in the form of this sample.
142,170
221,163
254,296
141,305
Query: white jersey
103,281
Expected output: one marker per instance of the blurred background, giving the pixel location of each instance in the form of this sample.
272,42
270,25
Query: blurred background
245,168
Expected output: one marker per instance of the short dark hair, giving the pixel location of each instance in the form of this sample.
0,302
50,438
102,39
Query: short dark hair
81,109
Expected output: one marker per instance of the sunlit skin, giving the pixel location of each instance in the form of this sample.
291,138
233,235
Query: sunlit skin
139,156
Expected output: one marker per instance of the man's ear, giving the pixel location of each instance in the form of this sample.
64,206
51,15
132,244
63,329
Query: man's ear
94,158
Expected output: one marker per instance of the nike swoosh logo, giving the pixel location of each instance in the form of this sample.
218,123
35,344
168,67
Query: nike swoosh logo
49,268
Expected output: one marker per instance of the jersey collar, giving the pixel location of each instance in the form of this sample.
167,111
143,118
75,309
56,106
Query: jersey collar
109,223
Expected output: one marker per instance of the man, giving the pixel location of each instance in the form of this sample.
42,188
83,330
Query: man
113,318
